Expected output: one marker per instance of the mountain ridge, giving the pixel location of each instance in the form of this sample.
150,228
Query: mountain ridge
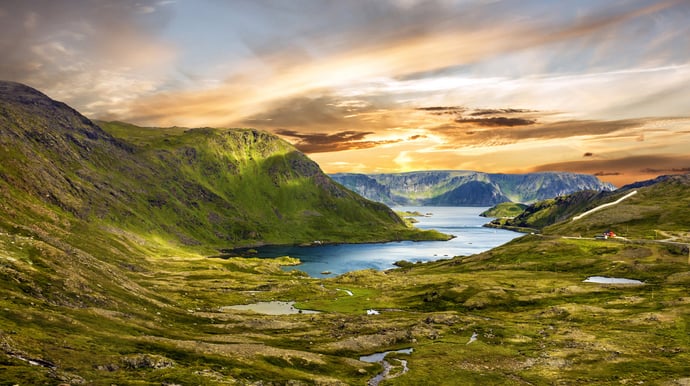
466,187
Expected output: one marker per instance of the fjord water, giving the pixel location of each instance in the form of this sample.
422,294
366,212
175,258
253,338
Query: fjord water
462,222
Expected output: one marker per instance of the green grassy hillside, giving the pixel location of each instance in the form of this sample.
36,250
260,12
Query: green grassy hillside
504,210
103,277
659,210
547,212
535,321
202,188
250,187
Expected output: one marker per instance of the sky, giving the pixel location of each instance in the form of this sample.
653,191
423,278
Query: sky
378,86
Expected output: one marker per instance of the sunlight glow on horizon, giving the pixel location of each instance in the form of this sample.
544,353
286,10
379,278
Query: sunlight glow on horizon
595,87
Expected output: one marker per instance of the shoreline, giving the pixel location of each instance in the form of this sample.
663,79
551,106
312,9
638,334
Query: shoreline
246,250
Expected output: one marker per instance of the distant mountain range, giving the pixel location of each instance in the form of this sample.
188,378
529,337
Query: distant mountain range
466,188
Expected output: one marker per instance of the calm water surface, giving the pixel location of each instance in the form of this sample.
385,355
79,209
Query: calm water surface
462,222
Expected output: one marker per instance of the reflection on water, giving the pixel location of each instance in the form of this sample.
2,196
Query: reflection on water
462,222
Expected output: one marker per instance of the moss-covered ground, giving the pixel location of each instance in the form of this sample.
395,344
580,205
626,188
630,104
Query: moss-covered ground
535,321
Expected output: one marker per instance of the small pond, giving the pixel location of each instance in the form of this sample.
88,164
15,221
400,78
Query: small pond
270,308
380,356
611,280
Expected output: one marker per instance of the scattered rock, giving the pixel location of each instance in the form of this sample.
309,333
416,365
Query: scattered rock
146,361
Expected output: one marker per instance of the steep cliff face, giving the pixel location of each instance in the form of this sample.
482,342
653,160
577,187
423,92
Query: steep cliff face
471,193
532,187
367,187
466,188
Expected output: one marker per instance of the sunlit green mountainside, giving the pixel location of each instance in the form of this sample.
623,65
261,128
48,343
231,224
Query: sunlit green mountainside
216,188
504,209
659,209
466,188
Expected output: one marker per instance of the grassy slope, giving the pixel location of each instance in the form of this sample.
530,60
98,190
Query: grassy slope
657,211
275,194
200,188
536,321
505,210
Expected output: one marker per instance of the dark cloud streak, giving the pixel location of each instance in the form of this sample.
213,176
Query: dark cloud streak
497,121
483,131
331,142
499,111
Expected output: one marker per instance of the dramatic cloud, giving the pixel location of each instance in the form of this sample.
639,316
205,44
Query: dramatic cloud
441,110
503,130
491,85
499,111
84,51
670,170
340,141
364,53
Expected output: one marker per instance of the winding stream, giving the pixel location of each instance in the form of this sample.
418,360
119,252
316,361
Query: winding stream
387,367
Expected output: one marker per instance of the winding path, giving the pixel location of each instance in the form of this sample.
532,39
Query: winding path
603,206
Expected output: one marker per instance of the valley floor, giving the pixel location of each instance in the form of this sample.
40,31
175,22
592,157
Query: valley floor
519,314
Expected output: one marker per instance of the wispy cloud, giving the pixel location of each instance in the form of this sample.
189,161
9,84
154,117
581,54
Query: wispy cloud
497,121
96,55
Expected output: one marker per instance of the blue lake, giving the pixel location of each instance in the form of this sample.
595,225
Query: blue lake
462,222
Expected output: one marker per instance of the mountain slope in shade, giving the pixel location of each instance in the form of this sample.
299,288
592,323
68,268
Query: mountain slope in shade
466,188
